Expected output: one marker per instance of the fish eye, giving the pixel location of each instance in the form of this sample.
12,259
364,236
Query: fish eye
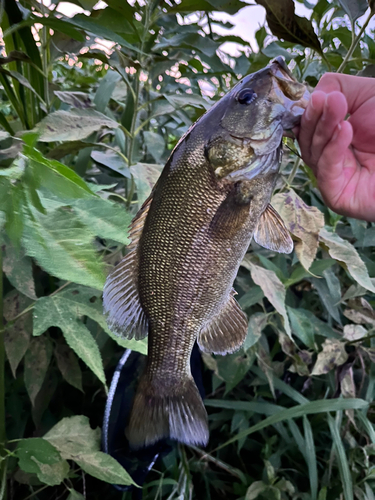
246,96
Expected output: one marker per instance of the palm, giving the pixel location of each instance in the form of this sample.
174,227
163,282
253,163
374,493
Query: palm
342,153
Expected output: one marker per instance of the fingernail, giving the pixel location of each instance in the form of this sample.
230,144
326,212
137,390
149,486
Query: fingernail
336,132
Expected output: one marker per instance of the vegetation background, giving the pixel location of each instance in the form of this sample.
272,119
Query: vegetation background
86,126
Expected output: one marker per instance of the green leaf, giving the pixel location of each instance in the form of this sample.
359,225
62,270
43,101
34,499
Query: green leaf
257,323
302,326
74,495
62,245
253,296
73,435
310,456
342,461
145,176
354,8
54,474
18,269
72,125
344,252
68,365
155,145
179,101
313,407
273,289
38,456
94,26
79,301
57,178
105,219
284,24
79,100
105,89
303,222
17,334
52,311
37,360
111,160
103,467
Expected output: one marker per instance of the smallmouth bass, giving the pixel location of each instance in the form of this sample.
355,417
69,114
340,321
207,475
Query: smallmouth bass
188,240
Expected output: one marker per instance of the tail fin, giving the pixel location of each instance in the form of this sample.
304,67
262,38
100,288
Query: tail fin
179,415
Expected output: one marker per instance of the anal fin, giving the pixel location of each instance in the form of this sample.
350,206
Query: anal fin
271,232
226,331
125,316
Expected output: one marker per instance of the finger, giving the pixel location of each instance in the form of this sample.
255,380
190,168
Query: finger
308,124
356,89
334,112
332,169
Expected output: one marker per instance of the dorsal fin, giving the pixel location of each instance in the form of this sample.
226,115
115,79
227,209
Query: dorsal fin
226,331
271,232
125,316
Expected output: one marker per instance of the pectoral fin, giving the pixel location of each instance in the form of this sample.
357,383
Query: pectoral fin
125,316
226,331
271,232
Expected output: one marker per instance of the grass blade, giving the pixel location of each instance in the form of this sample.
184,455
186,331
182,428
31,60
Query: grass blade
311,457
342,462
310,408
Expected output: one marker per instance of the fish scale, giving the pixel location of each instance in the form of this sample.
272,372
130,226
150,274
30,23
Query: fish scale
188,241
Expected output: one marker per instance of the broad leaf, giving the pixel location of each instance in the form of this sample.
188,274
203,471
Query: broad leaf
103,467
52,311
344,252
77,301
79,100
354,8
68,365
104,218
284,24
273,289
333,355
72,125
62,245
145,176
73,435
155,145
17,333
37,360
18,269
303,222
38,456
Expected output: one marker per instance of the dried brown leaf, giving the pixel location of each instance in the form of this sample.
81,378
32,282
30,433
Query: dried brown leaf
303,221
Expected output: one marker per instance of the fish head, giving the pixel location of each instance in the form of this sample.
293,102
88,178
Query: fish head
253,118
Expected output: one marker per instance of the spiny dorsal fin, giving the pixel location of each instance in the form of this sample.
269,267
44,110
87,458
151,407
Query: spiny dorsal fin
271,232
125,316
226,331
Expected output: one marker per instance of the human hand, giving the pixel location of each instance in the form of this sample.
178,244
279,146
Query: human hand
342,152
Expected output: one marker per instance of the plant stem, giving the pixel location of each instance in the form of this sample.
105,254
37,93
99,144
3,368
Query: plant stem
3,453
354,43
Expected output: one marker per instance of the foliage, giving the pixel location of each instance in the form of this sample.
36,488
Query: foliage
85,129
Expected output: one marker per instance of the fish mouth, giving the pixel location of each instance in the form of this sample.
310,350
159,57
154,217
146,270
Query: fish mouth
288,91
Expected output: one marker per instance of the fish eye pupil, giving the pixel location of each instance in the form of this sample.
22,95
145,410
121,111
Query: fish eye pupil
246,96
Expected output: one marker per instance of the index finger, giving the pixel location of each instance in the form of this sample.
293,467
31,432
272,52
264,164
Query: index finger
356,89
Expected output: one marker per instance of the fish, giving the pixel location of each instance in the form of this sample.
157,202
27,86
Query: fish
187,243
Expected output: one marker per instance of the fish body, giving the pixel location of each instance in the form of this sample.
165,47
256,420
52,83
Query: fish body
188,241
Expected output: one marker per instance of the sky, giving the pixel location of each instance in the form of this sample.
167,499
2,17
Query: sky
246,22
